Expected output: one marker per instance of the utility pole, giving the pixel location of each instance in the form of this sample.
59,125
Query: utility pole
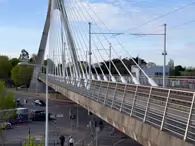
138,60
164,54
90,51
54,64
77,117
110,49
86,61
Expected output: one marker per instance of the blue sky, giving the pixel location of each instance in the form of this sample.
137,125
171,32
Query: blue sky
22,22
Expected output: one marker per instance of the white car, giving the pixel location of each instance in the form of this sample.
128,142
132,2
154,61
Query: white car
5,125
39,102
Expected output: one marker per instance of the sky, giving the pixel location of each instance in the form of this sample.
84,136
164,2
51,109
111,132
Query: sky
22,23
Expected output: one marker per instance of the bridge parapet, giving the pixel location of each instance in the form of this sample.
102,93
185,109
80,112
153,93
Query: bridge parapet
136,110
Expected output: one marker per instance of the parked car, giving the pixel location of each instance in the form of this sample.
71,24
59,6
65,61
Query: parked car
5,125
24,87
40,103
40,115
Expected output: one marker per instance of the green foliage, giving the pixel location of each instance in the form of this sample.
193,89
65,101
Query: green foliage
45,62
21,75
5,67
14,62
33,59
6,99
32,142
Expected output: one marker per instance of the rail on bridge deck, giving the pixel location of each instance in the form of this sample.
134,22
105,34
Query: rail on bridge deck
169,110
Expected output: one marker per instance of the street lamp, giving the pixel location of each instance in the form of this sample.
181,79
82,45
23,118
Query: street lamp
47,118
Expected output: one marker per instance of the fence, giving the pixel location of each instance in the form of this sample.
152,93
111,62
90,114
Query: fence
168,109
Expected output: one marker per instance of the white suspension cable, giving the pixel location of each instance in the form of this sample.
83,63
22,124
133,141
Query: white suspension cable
122,78
95,46
77,36
101,55
149,79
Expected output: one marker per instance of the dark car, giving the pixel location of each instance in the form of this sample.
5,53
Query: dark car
40,115
40,103
18,103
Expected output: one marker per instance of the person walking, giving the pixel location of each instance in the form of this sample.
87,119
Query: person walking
71,141
62,140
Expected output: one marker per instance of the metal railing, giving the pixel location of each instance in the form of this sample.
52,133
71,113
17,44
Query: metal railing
184,83
168,109
172,82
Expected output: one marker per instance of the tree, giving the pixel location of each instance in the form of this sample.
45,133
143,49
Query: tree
6,102
14,62
171,63
33,142
21,75
6,99
178,69
33,58
5,67
24,56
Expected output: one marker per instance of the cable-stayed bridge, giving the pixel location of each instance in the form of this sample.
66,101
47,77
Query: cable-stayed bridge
77,49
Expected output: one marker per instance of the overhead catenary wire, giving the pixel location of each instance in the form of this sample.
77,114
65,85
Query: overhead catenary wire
163,15
175,10
149,79
105,49
108,42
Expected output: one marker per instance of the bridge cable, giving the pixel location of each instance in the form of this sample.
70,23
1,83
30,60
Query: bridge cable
95,46
108,42
103,47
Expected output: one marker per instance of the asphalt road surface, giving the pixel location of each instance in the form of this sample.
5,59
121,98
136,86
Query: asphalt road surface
63,126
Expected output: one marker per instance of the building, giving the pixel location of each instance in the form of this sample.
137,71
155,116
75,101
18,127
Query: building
156,72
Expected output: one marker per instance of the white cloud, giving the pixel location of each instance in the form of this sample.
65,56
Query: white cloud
120,15
112,15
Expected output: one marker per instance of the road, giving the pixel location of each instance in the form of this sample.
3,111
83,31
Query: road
63,126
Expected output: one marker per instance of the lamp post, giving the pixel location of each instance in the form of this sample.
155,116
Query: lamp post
47,118
165,49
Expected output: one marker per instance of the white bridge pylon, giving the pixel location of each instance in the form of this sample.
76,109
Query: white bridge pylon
73,54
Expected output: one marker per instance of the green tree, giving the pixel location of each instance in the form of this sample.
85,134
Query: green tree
24,56
33,58
32,142
5,67
14,62
21,75
6,102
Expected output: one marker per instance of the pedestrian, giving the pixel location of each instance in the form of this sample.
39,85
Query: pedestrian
113,131
101,124
62,140
71,141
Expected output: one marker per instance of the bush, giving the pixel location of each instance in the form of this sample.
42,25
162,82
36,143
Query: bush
32,142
